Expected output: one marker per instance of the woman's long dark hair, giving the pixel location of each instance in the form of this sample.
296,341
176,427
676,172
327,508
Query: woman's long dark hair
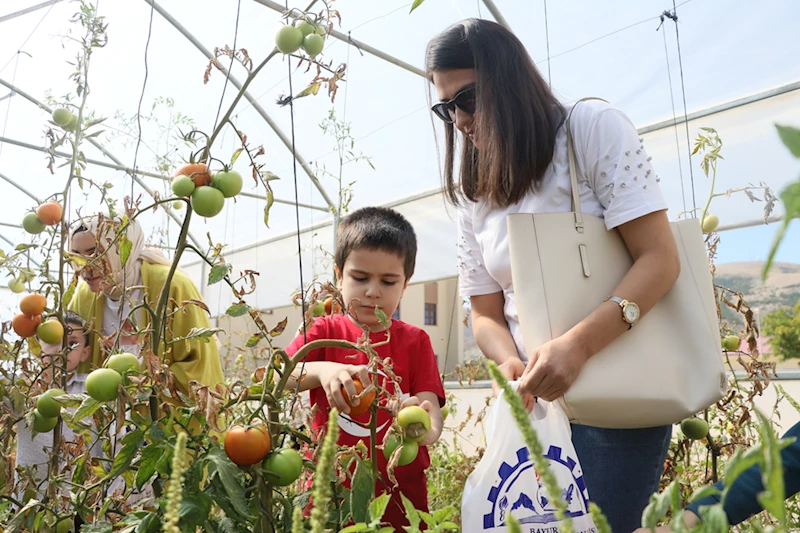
517,116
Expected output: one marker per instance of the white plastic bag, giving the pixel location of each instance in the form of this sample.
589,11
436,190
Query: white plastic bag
505,480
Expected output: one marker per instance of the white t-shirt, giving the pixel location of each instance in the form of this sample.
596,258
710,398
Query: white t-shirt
616,182
113,323
34,451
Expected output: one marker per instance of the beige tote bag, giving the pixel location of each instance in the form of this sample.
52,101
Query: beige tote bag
667,367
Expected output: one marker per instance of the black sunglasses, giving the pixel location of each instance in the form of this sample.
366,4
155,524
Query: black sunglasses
465,100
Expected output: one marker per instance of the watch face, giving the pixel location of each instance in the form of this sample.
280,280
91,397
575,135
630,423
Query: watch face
631,313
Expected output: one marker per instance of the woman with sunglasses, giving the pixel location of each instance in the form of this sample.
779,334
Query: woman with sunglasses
502,116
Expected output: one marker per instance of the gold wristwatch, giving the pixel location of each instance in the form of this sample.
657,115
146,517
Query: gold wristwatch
630,311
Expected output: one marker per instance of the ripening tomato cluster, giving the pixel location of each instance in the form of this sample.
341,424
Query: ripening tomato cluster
47,214
65,118
326,307
29,321
207,193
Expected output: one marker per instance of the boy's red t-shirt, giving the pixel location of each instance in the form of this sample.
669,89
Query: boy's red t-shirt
414,364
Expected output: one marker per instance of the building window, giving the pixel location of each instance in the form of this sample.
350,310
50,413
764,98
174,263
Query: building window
430,314
396,314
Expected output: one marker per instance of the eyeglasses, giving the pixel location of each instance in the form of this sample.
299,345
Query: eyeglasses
465,100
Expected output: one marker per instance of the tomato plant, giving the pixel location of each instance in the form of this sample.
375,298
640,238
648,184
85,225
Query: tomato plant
415,421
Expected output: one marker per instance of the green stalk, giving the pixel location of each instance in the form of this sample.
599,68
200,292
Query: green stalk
321,490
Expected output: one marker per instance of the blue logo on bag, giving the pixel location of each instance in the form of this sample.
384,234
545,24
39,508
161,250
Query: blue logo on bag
513,493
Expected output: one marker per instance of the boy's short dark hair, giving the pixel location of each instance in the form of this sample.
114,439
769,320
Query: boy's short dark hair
74,320
377,228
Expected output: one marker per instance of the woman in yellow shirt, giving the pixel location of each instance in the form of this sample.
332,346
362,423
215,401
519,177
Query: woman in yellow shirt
111,294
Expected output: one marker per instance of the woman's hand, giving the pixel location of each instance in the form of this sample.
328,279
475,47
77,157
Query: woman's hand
512,369
334,377
553,368
429,402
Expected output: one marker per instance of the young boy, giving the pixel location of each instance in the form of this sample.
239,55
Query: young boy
376,251
33,451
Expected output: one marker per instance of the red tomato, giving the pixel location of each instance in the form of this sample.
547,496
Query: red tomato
247,446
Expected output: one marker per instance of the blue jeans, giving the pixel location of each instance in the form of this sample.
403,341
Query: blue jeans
622,468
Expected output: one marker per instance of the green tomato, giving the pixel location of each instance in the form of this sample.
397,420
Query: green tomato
229,182
288,39
731,343
207,201
710,223
318,309
415,421
16,285
695,428
73,124
284,467
62,116
103,384
445,412
177,204
47,406
321,30
43,424
306,28
182,186
32,224
50,332
123,363
313,44
407,456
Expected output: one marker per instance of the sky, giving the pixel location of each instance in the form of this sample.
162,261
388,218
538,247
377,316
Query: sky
614,49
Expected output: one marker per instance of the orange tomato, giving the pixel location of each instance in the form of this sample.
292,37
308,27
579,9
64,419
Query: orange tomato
50,213
198,172
25,326
364,403
247,446
33,304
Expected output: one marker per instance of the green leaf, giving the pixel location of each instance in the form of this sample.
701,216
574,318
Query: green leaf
411,512
362,489
125,247
236,155
791,138
222,470
23,247
131,443
790,197
427,518
194,510
356,528
659,505
200,334
218,273
70,291
270,201
377,507
415,5
147,465
238,309
513,524
253,340
150,523
87,408
714,518
704,492
772,499
449,526
443,514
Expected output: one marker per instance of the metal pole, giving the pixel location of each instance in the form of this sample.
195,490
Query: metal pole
496,13
346,38
753,98
20,187
260,110
141,172
9,225
751,223
13,245
27,10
